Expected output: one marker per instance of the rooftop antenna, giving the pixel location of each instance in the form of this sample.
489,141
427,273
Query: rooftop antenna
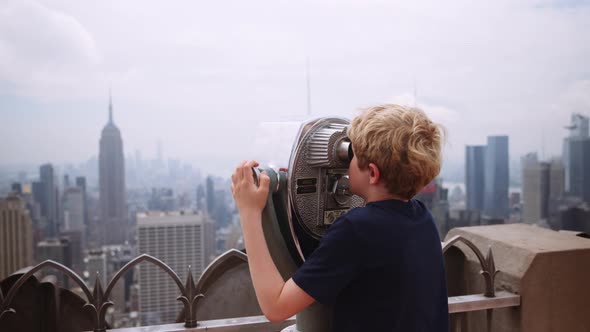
308,85
110,106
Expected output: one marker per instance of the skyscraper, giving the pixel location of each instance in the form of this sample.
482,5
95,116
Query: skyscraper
210,196
73,206
535,189
180,240
48,200
200,200
496,177
556,179
113,202
81,183
16,236
573,154
578,167
474,176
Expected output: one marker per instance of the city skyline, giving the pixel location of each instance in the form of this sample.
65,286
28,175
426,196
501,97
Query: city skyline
188,81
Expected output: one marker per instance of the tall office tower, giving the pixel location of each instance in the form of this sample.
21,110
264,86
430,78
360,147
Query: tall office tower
48,200
17,188
573,160
200,200
180,240
576,151
221,213
66,183
73,207
535,189
16,236
40,224
542,188
113,202
81,183
435,197
58,250
496,177
74,228
210,196
474,176
556,180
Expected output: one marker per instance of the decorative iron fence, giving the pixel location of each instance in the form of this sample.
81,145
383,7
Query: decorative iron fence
98,300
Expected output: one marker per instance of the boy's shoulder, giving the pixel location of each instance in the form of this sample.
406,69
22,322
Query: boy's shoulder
357,214
384,211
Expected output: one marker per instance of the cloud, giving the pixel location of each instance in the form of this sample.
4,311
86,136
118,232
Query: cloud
43,50
192,72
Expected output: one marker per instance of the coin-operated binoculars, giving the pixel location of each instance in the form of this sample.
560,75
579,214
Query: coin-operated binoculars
305,199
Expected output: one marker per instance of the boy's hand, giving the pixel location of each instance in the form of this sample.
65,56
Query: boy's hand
250,199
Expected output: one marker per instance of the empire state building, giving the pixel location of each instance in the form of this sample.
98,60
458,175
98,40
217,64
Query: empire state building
113,203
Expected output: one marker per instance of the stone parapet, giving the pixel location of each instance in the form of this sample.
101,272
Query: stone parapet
549,270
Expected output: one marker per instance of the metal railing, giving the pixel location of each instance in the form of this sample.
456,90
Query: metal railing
490,299
98,300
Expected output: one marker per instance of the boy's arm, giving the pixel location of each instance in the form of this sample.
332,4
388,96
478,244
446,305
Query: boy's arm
278,300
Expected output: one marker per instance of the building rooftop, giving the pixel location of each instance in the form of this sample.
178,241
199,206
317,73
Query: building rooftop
158,218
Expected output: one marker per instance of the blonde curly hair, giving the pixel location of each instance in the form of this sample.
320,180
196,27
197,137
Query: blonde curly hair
404,144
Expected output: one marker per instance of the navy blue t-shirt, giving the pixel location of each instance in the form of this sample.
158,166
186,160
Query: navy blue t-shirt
382,269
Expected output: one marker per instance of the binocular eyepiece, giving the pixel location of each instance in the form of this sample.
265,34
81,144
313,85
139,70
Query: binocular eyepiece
316,188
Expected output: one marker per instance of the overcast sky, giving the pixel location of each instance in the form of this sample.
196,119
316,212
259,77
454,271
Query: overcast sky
200,76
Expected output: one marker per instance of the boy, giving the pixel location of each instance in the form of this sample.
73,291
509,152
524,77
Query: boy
380,266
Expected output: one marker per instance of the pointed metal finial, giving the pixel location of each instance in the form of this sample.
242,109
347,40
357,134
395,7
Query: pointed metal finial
99,305
489,273
190,298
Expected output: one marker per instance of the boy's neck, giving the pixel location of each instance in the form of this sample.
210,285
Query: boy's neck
380,195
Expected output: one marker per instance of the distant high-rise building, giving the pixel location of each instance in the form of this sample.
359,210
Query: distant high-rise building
556,179
66,182
572,160
16,236
578,167
73,209
435,197
48,200
542,188
76,249
97,267
474,176
496,178
58,250
162,199
74,228
221,213
535,191
200,200
17,188
180,240
112,196
210,196
81,183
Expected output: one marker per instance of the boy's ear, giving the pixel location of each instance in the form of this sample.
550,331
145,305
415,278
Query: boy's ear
374,174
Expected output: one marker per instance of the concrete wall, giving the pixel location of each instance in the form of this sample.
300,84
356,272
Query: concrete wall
550,270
